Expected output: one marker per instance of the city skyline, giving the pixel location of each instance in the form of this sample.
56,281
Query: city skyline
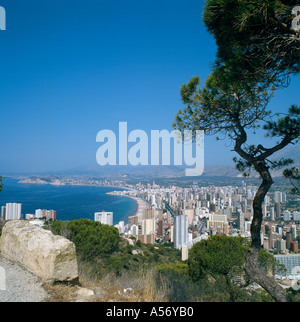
70,71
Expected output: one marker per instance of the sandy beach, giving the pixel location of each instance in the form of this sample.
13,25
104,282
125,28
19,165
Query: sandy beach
141,204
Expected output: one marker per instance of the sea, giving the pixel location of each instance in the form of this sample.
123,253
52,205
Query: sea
69,202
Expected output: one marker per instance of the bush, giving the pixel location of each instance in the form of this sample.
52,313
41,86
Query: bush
138,243
90,238
218,255
178,269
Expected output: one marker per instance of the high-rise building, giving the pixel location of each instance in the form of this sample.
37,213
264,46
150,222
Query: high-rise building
160,228
286,215
38,213
294,232
121,227
296,216
280,245
289,238
217,221
226,228
241,221
133,220
13,211
106,218
47,214
134,229
264,210
180,231
278,197
146,239
283,197
190,214
3,213
277,210
267,200
148,226
294,246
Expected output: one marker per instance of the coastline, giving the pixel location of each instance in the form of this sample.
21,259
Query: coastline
72,185
141,204
60,198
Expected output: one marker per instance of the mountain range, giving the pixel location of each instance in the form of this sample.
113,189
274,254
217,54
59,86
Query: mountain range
136,172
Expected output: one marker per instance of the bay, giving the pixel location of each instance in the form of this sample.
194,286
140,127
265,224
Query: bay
70,202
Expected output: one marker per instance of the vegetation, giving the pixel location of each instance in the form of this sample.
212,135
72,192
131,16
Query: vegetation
294,176
219,255
214,271
101,250
91,239
257,52
223,258
255,39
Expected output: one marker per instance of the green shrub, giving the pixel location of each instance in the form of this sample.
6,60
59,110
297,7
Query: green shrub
138,243
217,255
91,238
178,269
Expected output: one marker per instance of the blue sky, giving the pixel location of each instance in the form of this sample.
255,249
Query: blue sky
72,68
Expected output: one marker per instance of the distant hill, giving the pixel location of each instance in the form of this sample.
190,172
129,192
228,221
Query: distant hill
146,172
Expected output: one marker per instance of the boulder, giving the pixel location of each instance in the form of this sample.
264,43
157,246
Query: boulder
51,258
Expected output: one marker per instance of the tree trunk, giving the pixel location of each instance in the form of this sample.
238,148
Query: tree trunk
251,266
266,282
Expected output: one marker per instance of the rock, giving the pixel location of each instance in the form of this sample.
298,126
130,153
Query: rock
51,258
84,292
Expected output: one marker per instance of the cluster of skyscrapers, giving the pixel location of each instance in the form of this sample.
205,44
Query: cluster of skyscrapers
186,215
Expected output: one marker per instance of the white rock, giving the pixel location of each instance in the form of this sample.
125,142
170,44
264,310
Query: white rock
51,258
81,291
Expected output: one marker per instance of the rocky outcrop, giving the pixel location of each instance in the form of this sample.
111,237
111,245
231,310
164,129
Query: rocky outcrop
51,258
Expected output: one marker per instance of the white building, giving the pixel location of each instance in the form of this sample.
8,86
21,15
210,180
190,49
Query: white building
29,216
134,229
296,216
13,211
148,226
106,218
201,212
278,197
216,220
180,231
38,213
286,215
122,227
294,232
